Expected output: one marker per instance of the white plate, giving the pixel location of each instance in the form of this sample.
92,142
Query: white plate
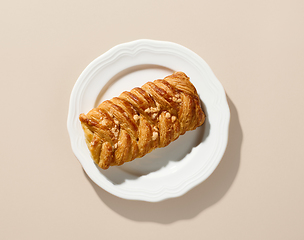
163,173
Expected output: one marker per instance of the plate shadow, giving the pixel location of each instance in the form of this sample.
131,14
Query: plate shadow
197,199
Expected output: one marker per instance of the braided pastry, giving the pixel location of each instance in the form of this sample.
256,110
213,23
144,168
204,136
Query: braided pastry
133,124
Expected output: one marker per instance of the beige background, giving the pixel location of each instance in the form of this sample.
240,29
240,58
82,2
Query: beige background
256,50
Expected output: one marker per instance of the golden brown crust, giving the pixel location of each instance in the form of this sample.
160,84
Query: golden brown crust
133,124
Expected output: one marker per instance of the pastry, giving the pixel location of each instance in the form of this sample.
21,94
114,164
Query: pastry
133,124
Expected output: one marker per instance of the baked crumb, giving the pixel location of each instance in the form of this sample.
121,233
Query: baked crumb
173,118
136,117
152,110
104,122
116,121
115,131
168,115
154,115
148,110
154,136
155,128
